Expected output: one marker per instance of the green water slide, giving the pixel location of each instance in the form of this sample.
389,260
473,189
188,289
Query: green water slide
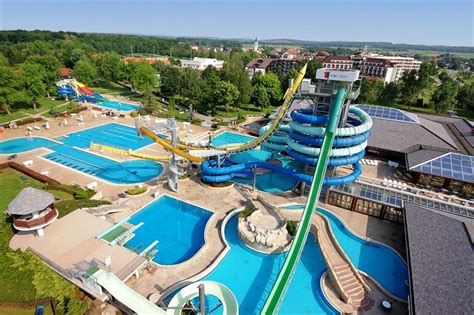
281,284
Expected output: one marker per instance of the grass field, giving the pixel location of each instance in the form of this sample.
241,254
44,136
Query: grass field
11,183
44,106
31,311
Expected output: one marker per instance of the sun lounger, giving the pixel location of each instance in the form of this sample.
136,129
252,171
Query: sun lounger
29,128
27,163
92,185
45,173
37,127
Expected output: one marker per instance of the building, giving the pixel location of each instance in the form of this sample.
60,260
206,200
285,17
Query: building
201,64
338,63
260,65
263,65
371,66
65,73
32,210
255,45
440,259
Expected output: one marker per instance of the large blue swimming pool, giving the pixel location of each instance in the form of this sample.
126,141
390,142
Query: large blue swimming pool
67,151
177,226
379,261
119,105
228,137
250,275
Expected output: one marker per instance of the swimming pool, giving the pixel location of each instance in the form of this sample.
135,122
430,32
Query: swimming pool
67,152
228,137
112,134
177,226
19,145
269,181
250,275
380,262
119,105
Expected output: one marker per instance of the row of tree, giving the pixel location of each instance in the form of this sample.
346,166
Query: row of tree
429,87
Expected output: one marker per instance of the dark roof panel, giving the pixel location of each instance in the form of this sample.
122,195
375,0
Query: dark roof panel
440,256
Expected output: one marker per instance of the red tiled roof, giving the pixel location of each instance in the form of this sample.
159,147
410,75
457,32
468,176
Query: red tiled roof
335,58
260,63
65,72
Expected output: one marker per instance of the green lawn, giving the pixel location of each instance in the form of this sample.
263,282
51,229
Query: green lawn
11,183
44,105
111,88
244,109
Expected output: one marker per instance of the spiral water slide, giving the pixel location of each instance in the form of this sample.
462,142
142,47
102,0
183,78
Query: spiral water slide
195,157
302,140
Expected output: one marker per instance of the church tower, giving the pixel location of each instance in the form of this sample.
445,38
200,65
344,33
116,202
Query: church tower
255,44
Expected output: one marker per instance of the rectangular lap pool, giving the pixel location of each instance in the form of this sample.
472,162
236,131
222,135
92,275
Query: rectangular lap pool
175,227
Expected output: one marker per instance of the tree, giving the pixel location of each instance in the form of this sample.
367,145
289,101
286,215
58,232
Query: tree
145,80
29,80
210,75
85,71
389,94
3,60
51,67
6,88
233,71
370,91
190,83
409,88
445,95
272,86
260,97
109,66
313,66
465,96
170,80
225,94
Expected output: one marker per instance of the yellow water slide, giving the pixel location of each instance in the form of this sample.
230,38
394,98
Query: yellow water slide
281,115
168,146
105,148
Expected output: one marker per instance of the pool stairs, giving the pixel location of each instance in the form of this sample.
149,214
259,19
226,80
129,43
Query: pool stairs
343,275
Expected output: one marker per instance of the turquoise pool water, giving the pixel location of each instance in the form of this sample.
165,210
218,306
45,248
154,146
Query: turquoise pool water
119,105
19,145
228,137
379,261
269,182
113,134
250,275
177,226
66,152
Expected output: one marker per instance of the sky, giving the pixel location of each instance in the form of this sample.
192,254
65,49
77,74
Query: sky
430,22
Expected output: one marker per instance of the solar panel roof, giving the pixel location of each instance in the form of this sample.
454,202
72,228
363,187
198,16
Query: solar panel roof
389,113
451,165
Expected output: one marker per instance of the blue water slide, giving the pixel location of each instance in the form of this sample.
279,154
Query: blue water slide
226,173
338,142
333,161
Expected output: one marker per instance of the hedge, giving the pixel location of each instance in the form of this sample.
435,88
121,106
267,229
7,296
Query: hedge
77,192
136,191
247,212
67,206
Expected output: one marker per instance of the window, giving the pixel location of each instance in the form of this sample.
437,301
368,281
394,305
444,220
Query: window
394,214
340,200
368,207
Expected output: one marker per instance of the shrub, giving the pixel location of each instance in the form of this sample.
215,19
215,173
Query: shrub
196,121
136,191
292,227
247,212
67,206
76,191
134,114
142,112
